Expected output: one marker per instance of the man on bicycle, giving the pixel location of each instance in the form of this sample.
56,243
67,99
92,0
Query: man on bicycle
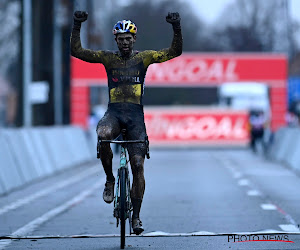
126,70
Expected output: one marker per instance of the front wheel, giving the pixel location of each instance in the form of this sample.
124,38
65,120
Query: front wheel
122,204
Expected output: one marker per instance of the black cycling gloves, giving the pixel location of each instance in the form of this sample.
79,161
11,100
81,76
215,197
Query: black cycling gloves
174,19
79,17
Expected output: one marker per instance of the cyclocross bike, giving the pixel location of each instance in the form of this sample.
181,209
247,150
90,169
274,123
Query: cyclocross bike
122,202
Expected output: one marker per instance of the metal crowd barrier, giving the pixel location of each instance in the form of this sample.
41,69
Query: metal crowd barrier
28,154
285,147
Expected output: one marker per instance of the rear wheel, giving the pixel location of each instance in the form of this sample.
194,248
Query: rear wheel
122,205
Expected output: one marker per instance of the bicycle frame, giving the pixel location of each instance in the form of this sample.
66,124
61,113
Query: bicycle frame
122,202
123,164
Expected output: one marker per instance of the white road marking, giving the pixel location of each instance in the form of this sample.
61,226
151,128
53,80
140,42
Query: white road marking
289,228
228,165
268,207
205,233
154,234
160,233
292,227
266,231
253,193
287,216
243,182
33,225
44,192
4,243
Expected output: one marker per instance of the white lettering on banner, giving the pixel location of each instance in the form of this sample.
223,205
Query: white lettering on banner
230,73
224,128
238,129
216,70
193,71
207,127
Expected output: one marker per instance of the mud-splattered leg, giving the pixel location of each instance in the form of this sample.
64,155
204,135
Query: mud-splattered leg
107,129
138,184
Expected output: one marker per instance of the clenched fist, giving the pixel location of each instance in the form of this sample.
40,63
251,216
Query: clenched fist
80,16
173,18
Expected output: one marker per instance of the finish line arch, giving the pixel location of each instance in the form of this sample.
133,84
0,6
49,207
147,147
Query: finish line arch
190,70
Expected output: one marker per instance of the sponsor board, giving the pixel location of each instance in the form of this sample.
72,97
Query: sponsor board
194,127
196,69
193,70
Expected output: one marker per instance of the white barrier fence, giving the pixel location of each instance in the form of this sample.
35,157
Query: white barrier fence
28,154
286,147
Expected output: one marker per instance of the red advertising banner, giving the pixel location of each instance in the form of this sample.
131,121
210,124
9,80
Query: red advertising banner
189,126
191,70
196,69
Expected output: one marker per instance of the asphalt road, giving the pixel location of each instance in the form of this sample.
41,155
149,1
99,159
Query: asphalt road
195,199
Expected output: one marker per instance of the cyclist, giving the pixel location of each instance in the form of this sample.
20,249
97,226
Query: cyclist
126,70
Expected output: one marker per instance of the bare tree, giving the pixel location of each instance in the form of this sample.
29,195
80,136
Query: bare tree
243,26
9,35
256,26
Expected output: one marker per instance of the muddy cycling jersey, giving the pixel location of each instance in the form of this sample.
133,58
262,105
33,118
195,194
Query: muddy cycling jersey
126,75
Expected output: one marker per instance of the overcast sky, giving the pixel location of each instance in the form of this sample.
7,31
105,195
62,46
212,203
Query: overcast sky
210,10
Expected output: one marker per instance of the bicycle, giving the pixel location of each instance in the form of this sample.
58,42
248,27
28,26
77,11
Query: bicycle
122,202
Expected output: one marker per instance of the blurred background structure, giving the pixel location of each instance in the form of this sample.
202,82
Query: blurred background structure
35,65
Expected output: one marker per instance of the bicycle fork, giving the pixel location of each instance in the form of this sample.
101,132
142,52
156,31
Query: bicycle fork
116,214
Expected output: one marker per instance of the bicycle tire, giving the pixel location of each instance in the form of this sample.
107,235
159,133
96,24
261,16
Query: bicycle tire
123,205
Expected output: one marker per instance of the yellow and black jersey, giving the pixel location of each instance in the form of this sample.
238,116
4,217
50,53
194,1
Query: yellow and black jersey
126,75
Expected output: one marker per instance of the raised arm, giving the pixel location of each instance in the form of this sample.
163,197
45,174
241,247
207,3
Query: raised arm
176,46
76,48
